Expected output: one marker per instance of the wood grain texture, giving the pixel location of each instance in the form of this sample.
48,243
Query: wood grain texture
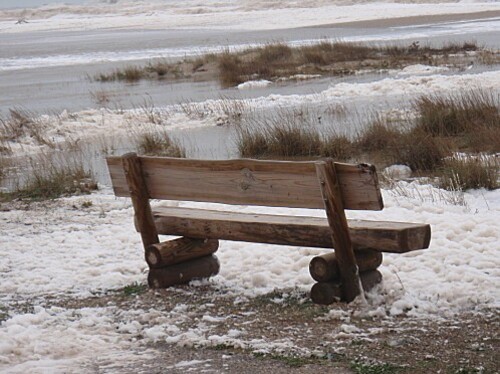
185,272
138,191
249,182
325,268
396,237
339,231
326,293
179,250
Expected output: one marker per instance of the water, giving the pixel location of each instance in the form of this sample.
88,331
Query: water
11,4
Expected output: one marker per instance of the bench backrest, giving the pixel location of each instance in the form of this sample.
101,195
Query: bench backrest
249,182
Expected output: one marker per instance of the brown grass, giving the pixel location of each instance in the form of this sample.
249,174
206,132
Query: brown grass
471,172
458,114
22,123
159,143
278,60
50,177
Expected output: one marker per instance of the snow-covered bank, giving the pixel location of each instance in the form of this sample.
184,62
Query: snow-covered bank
226,15
103,124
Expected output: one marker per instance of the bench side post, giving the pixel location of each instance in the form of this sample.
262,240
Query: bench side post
330,190
140,199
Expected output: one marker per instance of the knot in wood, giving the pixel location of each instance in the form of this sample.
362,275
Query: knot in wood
247,179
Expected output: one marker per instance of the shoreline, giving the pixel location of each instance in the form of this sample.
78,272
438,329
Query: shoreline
412,20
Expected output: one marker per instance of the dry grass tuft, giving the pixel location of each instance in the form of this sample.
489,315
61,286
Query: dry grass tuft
22,123
50,177
159,143
458,114
463,173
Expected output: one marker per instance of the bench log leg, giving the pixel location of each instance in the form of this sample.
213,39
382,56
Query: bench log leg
179,250
330,190
325,267
199,268
326,293
140,199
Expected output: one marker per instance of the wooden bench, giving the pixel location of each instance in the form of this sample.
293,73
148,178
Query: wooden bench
322,184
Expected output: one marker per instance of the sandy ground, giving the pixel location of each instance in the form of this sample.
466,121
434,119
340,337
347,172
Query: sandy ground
416,20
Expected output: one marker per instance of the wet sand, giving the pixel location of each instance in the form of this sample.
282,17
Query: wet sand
415,20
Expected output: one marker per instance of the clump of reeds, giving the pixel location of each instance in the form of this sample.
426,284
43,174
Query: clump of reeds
159,143
467,172
158,69
457,114
50,176
22,123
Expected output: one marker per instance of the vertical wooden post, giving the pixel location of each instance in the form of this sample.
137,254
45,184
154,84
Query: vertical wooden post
330,190
140,199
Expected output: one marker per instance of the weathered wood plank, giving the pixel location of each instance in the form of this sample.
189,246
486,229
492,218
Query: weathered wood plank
396,237
137,189
348,268
249,182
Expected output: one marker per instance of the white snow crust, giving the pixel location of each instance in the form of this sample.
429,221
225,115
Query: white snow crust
74,251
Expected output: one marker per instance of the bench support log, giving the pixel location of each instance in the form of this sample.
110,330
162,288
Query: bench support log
140,199
330,190
202,267
179,250
325,267
326,293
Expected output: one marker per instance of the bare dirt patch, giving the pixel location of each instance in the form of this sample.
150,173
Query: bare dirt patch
303,337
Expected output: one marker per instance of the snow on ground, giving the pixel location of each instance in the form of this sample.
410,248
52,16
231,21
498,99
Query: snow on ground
226,15
66,249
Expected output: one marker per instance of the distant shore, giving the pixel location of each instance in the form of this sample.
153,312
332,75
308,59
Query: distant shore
414,20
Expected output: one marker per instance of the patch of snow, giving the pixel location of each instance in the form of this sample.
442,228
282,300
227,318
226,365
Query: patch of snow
254,84
397,172
420,69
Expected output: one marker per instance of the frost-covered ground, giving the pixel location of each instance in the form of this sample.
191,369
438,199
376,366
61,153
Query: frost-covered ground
65,251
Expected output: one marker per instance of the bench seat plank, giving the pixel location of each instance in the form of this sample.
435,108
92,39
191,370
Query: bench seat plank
396,237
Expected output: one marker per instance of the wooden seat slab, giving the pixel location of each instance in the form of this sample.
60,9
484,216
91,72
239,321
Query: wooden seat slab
396,237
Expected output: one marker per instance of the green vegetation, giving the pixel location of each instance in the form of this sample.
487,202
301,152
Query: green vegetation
134,289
